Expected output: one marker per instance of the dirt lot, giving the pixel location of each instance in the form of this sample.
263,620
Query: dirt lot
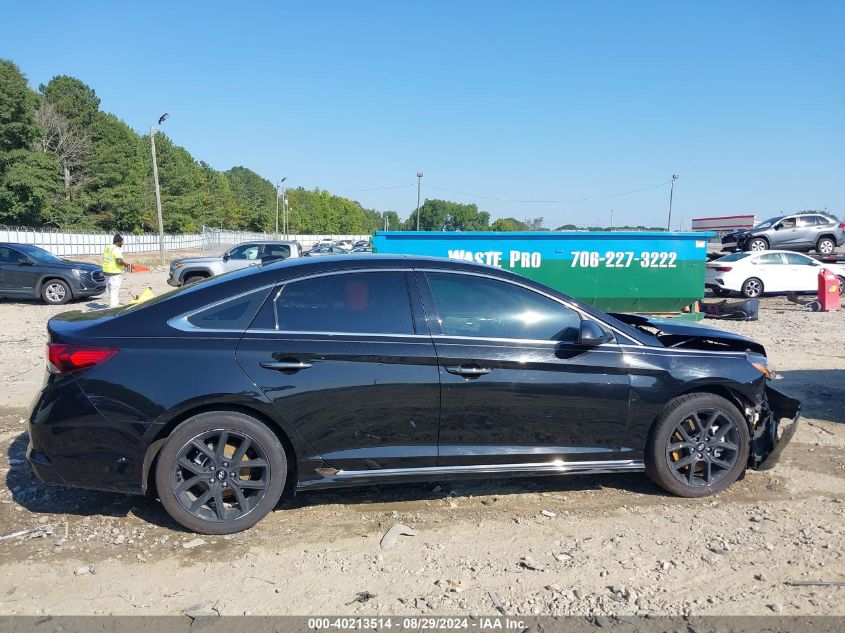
605,544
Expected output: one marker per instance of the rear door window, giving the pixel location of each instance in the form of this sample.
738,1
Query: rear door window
276,251
350,303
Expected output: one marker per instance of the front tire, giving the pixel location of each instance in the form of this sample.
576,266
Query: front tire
752,288
221,472
757,244
56,292
698,446
825,246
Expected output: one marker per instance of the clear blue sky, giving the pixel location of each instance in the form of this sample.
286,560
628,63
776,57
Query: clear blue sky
510,100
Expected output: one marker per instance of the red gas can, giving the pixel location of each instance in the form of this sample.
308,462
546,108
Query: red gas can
828,290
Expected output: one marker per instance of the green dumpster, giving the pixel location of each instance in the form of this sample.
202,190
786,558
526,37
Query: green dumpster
624,271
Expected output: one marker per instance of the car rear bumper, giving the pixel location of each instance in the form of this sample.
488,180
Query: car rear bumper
71,443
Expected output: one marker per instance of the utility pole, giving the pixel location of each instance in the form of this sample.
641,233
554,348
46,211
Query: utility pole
153,130
419,181
285,210
278,186
671,193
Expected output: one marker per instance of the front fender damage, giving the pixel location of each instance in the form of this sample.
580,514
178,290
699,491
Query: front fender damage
770,436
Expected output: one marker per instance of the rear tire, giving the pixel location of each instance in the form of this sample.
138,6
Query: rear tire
220,472
698,446
56,292
757,244
752,288
825,246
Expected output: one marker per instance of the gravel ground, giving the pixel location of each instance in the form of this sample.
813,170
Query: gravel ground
556,545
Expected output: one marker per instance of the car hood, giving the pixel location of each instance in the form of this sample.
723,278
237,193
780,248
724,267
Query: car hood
67,264
677,333
196,260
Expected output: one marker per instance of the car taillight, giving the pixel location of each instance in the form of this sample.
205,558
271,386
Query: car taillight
723,269
67,358
842,225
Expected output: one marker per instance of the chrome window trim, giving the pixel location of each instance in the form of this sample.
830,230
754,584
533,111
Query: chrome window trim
525,341
334,334
557,466
181,322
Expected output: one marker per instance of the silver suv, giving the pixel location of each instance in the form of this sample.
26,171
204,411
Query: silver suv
191,269
798,232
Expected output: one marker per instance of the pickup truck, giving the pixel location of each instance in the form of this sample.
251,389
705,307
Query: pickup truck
192,269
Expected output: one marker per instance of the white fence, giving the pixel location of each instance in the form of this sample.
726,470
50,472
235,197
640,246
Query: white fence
209,239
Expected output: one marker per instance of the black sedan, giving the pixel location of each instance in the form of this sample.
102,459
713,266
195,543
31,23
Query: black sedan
222,396
29,272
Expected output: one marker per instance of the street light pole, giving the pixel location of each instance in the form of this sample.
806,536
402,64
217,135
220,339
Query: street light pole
153,130
419,181
285,210
278,186
671,193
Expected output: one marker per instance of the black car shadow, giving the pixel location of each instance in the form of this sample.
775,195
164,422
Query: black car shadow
819,390
635,483
40,498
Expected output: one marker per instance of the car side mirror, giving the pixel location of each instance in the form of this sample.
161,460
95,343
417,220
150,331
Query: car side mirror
778,226
26,262
226,257
591,334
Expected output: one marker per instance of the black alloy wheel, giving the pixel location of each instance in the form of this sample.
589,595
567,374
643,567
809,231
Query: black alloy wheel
703,447
220,475
699,445
221,472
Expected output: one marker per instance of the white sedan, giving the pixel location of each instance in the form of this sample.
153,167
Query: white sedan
755,273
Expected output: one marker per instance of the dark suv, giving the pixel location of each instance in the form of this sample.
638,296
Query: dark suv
27,271
798,232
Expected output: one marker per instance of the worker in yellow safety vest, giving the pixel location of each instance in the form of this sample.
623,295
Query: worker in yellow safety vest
113,267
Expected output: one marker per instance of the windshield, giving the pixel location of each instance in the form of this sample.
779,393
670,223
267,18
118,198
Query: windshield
39,254
767,223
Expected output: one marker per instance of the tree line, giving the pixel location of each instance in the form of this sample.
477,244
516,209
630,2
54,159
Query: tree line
65,163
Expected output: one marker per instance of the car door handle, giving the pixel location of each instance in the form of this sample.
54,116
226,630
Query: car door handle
461,370
285,365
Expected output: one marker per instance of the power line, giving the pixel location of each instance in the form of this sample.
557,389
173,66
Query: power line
494,199
412,184
602,197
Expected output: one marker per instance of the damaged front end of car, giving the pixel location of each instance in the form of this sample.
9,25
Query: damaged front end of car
776,425
772,417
